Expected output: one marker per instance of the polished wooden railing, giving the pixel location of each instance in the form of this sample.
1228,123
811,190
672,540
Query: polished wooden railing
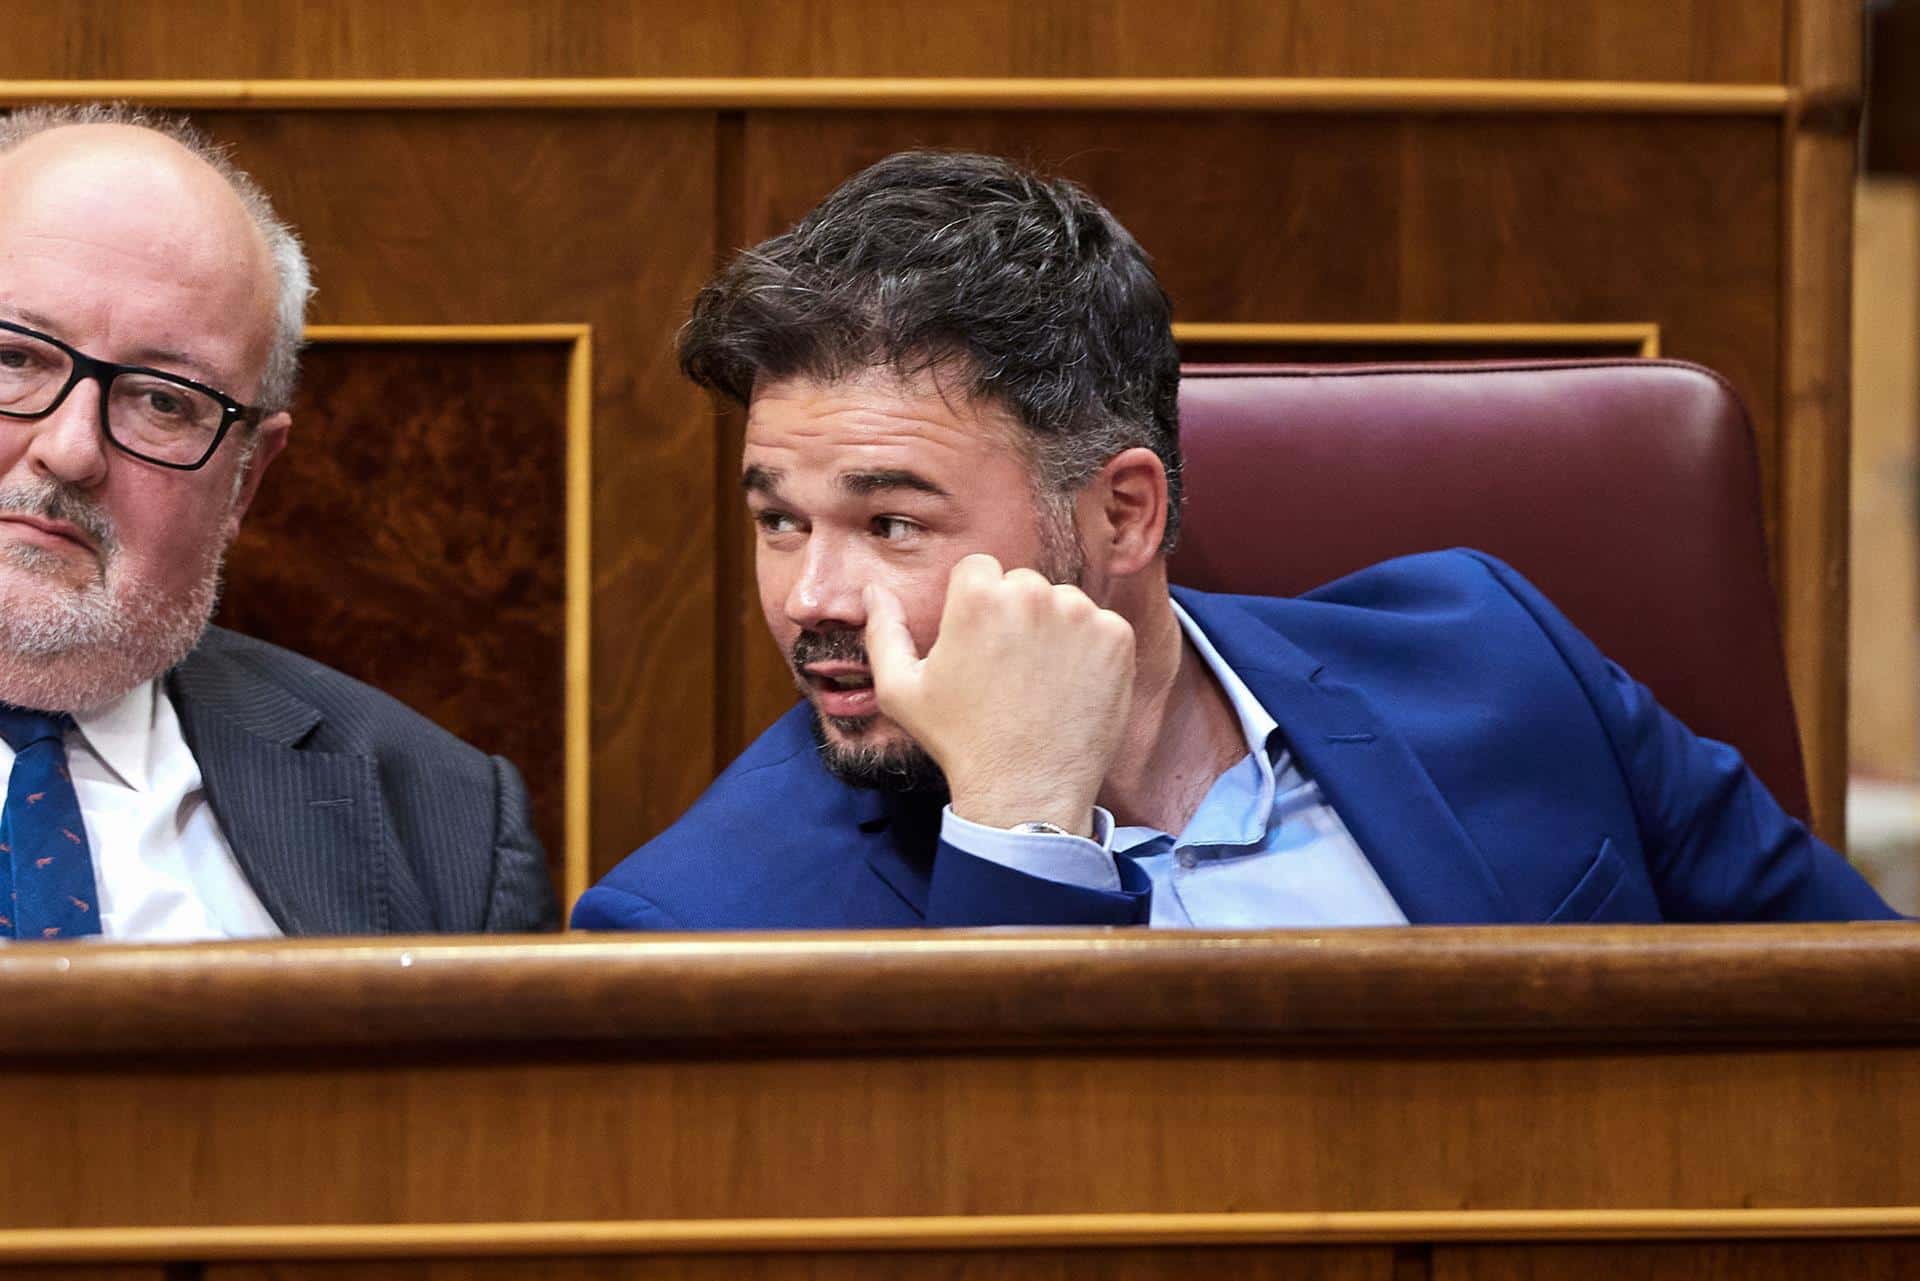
1394,1103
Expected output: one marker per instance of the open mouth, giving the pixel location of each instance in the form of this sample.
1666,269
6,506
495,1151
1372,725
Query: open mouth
842,690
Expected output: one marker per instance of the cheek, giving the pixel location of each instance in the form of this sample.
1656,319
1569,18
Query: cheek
923,597
166,533
773,575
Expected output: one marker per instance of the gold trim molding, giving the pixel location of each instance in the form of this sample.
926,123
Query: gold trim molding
1643,336
577,810
944,1232
1420,96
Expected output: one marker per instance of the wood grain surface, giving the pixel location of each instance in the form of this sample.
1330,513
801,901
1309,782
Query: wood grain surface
414,538
474,1137
1824,60
1598,986
1411,1233
1321,95
598,219
1776,1261
1151,1264
1678,40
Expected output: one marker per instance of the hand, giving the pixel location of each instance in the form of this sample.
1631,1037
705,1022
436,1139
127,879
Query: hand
1022,699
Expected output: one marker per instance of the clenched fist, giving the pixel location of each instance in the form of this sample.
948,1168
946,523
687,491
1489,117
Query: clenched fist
1022,699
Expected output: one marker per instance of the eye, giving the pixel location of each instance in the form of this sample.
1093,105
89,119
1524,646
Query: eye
776,522
894,529
14,359
165,404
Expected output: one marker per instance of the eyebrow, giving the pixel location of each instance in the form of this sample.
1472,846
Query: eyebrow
31,319
761,480
151,357
766,481
862,483
167,359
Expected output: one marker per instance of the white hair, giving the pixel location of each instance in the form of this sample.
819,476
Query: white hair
293,278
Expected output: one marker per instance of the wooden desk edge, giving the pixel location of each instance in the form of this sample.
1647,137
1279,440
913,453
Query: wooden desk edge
974,990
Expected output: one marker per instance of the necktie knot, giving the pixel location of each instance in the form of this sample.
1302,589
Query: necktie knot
22,728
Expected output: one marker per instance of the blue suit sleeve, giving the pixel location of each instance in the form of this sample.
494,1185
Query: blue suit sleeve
1718,846
606,908
967,890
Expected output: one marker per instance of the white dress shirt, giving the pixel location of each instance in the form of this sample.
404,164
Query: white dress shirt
162,866
1265,848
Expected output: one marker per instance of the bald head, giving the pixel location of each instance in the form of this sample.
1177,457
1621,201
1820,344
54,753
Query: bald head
156,195
141,206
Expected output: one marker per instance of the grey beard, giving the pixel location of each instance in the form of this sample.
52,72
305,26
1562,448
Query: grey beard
86,654
75,649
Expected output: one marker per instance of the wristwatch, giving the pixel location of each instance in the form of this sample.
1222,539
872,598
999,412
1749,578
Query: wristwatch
1039,829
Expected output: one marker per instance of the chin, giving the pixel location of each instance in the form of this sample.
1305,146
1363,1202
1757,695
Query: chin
42,570
75,651
860,731
873,752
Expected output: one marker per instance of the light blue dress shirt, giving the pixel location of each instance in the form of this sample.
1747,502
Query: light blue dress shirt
1264,848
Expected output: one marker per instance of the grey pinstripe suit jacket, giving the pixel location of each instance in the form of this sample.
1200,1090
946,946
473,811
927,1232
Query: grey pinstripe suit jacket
349,812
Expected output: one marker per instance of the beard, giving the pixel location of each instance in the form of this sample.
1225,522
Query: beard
66,648
902,767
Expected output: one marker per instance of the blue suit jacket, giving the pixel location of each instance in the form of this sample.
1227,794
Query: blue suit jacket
1490,763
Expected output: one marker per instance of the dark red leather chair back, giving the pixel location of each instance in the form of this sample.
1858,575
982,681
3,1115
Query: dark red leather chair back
1627,490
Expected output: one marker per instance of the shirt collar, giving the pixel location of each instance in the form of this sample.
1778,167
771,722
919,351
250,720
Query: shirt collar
1255,724
1234,812
121,734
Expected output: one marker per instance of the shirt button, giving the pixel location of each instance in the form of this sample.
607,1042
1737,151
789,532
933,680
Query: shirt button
1185,858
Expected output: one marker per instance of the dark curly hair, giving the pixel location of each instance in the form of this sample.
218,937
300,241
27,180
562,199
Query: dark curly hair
1025,286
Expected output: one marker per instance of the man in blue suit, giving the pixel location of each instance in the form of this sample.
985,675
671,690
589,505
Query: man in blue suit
962,459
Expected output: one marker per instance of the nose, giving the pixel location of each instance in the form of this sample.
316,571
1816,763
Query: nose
67,445
825,594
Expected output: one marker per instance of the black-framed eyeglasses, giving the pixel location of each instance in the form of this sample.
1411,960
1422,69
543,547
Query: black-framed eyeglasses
159,418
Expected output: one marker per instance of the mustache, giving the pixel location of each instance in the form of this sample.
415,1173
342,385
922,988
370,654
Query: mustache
828,647
51,500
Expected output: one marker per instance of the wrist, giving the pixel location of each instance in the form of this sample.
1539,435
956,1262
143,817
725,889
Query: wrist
1072,816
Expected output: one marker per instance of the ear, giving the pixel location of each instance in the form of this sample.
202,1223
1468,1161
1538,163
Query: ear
269,438
1130,510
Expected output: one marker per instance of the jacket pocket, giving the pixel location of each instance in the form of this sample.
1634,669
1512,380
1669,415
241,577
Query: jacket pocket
1601,883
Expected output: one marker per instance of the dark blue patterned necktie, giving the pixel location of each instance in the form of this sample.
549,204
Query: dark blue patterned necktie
44,860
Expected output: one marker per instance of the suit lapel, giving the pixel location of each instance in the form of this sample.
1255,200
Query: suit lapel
304,825
1366,769
902,838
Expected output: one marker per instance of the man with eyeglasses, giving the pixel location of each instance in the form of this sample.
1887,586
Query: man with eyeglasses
166,780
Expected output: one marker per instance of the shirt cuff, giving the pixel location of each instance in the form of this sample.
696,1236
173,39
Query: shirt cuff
1070,860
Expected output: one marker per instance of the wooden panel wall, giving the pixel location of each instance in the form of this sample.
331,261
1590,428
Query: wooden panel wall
1884,742
1731,41
1776,1260
1301,1264
1721,220
390,512
504,218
